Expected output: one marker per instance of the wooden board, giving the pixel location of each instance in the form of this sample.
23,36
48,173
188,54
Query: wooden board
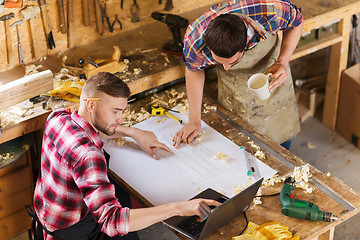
25,88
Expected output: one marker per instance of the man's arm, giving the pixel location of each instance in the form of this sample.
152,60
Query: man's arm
146,140
290,40
194,88
143,217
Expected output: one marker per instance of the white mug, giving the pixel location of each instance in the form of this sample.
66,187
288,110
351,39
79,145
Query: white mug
259,84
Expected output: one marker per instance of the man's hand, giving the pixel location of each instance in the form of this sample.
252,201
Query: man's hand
148,142
186,134
279,75
199,207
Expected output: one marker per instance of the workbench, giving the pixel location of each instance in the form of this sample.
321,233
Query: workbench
142,44
331,194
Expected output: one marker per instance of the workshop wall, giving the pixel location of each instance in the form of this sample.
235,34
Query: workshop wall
32,32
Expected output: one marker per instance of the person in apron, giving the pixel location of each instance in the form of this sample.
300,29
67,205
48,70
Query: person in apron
241,37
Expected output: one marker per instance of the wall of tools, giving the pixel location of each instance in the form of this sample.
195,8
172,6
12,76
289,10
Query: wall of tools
33,29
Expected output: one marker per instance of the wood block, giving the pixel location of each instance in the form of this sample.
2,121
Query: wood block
25,88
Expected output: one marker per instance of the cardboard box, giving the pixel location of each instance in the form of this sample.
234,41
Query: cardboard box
348,118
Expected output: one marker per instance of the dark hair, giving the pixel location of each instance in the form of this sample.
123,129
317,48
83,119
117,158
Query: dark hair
226,35
107,83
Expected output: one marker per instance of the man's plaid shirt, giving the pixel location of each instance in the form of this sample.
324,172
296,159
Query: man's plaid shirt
272,15
73,178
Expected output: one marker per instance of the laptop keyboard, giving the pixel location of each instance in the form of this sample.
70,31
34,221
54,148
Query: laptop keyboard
192,226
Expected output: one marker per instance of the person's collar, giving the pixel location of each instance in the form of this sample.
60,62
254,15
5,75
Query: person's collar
91,132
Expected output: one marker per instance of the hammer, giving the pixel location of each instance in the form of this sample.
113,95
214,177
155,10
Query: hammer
5,18
20,49
28,13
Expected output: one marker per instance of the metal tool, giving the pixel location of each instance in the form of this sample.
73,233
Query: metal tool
85,12
6,18
62,19
26,14
251,165
20,49
134,10
47,28
169,5
175,23
296,208
156,110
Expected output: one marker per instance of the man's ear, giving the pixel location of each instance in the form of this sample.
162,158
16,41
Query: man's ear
90,105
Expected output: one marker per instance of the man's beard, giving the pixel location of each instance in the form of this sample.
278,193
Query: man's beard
102,126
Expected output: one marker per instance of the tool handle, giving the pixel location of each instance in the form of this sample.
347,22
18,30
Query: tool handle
45,16
85,12
62,17
169,5
10,4
99,23
21,53
8,42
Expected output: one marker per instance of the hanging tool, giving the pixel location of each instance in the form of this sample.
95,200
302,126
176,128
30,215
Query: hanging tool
169,5
99,17
6,18
122,4
296,208
105,17
175,23
26,14
156,110
85,12
9,4
62,19
20,49
47,28
134,10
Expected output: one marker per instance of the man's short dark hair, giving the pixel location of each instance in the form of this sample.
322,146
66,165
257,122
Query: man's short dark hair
226,35
107,83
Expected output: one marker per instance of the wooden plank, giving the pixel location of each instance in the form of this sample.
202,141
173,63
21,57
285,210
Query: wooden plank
25,88
337,63
316,46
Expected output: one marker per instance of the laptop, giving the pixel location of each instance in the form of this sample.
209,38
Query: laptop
230,209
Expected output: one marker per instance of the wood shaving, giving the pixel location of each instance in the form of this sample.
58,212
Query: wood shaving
301,175
65,75
161,119
32,69
137,71
200,136
184,106
310,145
272,181
258,153
221,156
13,115
208,108
131,117
174,96
120,141
6,158
328,174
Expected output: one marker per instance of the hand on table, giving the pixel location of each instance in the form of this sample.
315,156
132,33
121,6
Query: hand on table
187,134
148,142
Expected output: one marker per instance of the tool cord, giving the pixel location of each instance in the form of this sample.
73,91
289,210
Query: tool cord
246,219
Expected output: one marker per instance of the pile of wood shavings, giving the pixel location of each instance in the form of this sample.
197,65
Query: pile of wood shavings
32,69
174,96
131,117
301,175
208,108
13,115
65,75
238,189
259,153
120,141
5,158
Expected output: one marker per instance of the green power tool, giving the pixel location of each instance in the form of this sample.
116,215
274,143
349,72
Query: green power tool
293,207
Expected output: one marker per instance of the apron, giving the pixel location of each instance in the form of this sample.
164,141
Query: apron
277,117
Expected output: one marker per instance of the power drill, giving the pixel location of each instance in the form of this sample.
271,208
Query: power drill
175,23
301,209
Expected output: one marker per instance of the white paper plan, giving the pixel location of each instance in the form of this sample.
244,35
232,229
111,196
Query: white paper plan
184,172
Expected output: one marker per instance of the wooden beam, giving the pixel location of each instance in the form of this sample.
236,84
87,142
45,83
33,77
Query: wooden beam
316,46
25,88
337,63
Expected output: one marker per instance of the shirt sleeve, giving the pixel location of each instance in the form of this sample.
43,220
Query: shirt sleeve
90,175
193,58
288,14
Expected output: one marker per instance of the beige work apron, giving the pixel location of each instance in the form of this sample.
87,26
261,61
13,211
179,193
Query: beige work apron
276,117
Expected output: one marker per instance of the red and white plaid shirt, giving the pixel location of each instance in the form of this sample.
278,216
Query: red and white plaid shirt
73,178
